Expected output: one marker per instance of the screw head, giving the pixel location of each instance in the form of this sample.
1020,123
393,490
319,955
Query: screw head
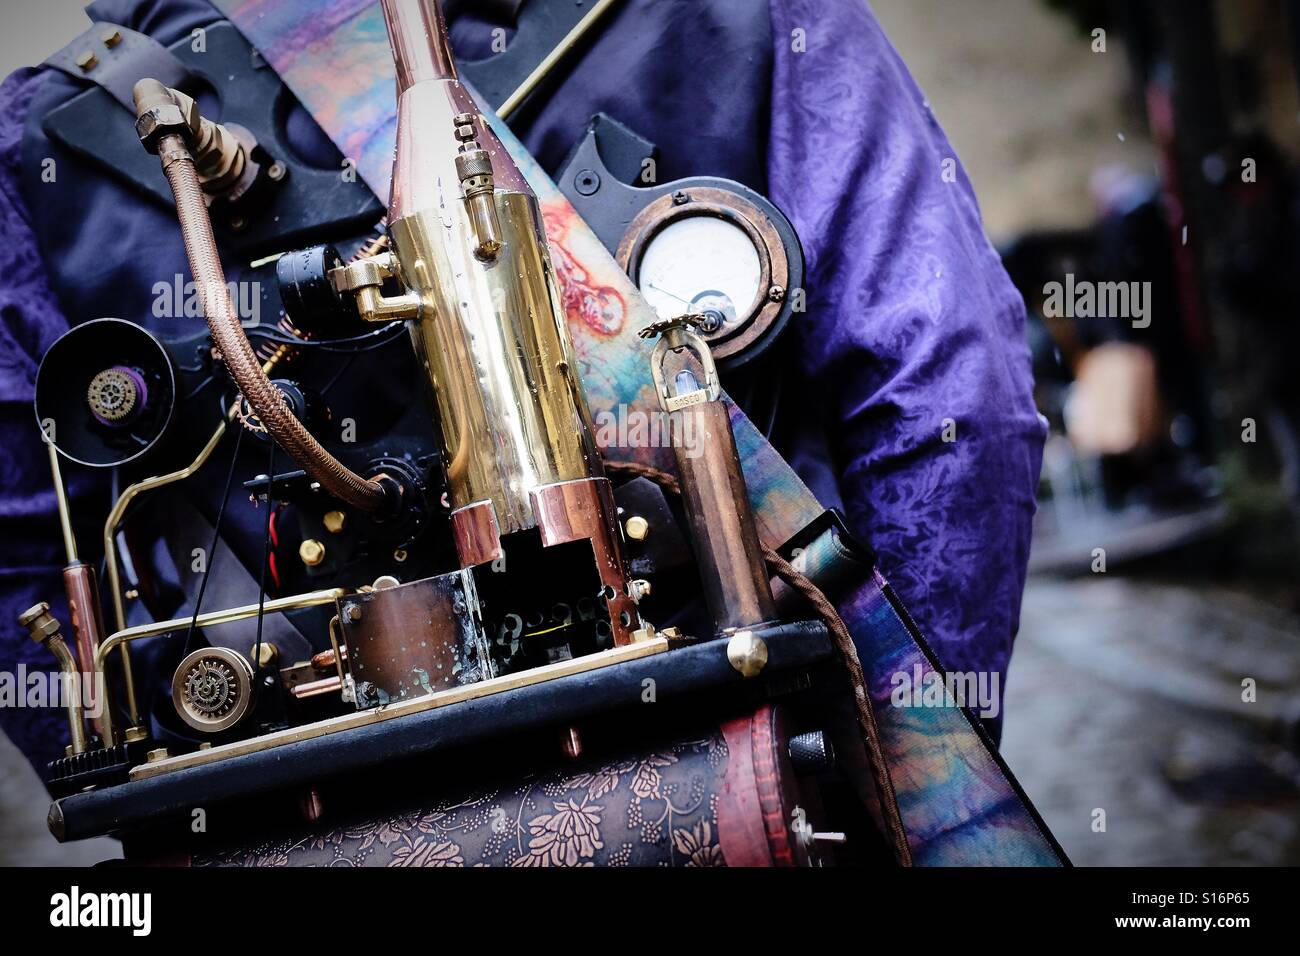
276,171
680,197
637,528
587,182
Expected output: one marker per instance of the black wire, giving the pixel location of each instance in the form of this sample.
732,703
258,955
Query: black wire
199,387
266,563
389,333
216,537
342,370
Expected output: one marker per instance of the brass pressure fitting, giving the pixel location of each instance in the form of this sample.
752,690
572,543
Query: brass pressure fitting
221,155
364,278
474,167
45,630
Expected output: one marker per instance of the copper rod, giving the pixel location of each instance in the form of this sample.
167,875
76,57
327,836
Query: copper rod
418,36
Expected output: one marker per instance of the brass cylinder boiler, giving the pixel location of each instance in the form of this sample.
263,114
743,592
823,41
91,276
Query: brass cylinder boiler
487,321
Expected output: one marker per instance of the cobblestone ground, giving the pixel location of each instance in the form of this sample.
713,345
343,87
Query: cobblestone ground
1126,697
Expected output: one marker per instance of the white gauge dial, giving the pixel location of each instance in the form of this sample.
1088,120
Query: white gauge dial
701,264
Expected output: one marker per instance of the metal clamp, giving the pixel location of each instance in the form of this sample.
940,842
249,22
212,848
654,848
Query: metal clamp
678,335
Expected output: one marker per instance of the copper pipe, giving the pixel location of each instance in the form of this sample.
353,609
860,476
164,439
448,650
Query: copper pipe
87,631
727,550
418,36
82,590
223,322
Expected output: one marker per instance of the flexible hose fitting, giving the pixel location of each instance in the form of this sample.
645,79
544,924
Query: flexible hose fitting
223,322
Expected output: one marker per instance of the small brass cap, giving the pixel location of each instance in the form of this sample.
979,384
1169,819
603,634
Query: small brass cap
111,37
134,734
637,528
40,622
266,654
154,756
747,653
312,552
87,61
335,521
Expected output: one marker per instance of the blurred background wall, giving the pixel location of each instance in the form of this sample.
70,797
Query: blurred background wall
1154,695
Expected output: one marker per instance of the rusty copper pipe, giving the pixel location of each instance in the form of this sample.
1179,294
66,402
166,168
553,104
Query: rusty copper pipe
80,586
264,398
87,630
736,587
418,36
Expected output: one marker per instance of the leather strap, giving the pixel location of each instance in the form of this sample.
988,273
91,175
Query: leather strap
116,58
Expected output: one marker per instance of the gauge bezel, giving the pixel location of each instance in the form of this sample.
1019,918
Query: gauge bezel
769,305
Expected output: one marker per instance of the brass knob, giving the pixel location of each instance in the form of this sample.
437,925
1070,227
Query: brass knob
637,528
335,522
312,552
747,653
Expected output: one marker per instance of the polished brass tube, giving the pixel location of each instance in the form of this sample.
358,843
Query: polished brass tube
293,602
61,502
418,36
114,574
45,631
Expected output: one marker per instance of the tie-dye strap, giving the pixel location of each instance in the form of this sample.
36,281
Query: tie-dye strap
958,801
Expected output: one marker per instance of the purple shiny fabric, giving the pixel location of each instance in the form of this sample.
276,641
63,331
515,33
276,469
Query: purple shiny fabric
911,321
914,333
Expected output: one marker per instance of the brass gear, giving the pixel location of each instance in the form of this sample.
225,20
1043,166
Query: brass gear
112,395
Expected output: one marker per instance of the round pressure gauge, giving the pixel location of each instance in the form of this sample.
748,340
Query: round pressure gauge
722,251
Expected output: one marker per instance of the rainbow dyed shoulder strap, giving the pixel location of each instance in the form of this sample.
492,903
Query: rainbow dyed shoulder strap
959,803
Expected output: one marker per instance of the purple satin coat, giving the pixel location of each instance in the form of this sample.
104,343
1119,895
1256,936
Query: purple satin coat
913,332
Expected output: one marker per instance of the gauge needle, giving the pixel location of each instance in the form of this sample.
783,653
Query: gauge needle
651,285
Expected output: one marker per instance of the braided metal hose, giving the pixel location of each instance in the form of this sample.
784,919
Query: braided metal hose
264,398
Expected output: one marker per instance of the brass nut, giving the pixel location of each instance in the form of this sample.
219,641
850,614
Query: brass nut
111,37
40,622
335,522
135,734
312,552
638,589
154,756
637,528
266,654
87,61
